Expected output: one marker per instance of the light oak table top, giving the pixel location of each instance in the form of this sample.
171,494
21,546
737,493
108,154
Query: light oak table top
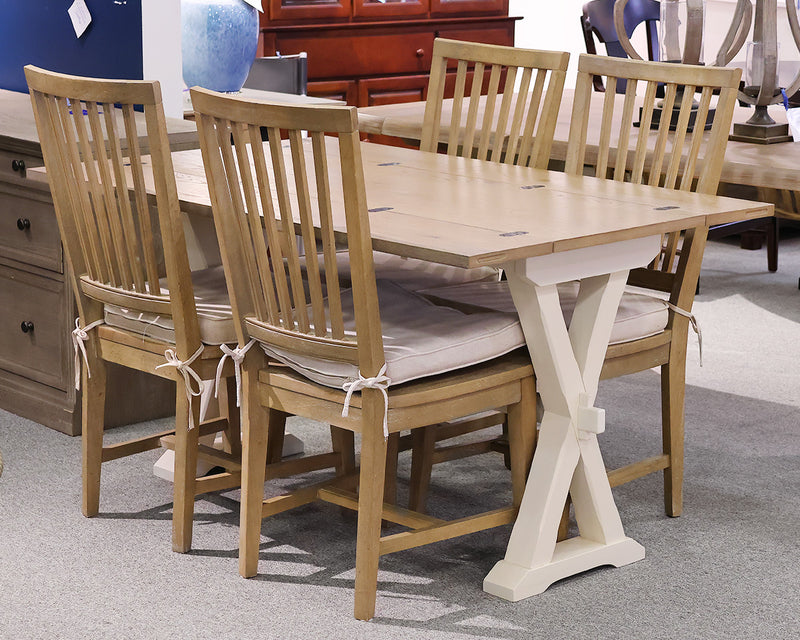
471,213
18,128
775,165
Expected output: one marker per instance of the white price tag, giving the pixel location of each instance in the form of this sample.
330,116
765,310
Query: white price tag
256,4
80,16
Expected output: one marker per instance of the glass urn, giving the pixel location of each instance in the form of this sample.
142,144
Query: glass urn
218,42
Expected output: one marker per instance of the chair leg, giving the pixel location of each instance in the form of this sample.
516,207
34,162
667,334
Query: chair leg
370,503
185,470
256,425
423,445
521,420
93,406
277,431
232,436
390,481
343,443
673,388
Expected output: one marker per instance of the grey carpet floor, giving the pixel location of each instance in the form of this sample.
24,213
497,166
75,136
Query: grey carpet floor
728,568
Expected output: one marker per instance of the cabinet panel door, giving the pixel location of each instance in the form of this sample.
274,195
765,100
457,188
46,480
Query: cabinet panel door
390,8
356,53
303,9
441,7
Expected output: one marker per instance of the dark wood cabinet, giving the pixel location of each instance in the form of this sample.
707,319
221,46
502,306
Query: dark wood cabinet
369,52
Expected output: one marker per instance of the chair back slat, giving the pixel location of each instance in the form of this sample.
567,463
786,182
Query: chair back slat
258,261
696,141
307,233
676,153
92,137
458,102
518,122
621,156
605,129
327,237
497,143
645,120
82,148
520,138
489,111
147,235
266,196
297,307
472,113
660,148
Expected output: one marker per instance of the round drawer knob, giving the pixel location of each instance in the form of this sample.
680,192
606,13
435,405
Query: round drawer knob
420,53
23,224
26,326
18,165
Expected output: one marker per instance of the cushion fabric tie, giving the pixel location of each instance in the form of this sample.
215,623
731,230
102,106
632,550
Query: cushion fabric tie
692,322
236,354
189,374
380,382
79,336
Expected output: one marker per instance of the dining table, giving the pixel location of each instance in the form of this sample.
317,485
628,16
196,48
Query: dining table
543,228
775,166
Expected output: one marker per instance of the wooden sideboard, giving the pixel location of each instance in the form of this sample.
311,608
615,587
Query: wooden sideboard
37,305
369,52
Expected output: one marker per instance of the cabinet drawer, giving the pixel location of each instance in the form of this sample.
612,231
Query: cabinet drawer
343,90
500,34
356,53
15,164
28,229
40,352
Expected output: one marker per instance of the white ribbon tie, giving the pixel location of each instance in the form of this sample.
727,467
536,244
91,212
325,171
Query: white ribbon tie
237,355
380,382
79,336
189,374
693,322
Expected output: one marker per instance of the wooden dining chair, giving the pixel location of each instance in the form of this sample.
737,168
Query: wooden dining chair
517,93
139,306
373,359
597,23
650,330
137,301
517,122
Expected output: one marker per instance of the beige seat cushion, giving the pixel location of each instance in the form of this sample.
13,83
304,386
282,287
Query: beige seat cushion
419,338
214,315
413,274
639,315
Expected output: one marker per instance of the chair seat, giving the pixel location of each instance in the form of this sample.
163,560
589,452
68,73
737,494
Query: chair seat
214,315
413,274
639,315
420,339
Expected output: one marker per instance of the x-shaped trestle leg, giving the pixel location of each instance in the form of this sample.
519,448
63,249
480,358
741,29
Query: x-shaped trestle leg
567,458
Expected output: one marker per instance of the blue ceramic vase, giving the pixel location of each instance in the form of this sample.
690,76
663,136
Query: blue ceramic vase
218,43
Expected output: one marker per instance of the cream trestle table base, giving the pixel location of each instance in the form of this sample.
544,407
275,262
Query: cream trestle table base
567,457
543,227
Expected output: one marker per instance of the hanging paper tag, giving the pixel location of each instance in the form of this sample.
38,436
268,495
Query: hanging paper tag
256,4
792,117
80,16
